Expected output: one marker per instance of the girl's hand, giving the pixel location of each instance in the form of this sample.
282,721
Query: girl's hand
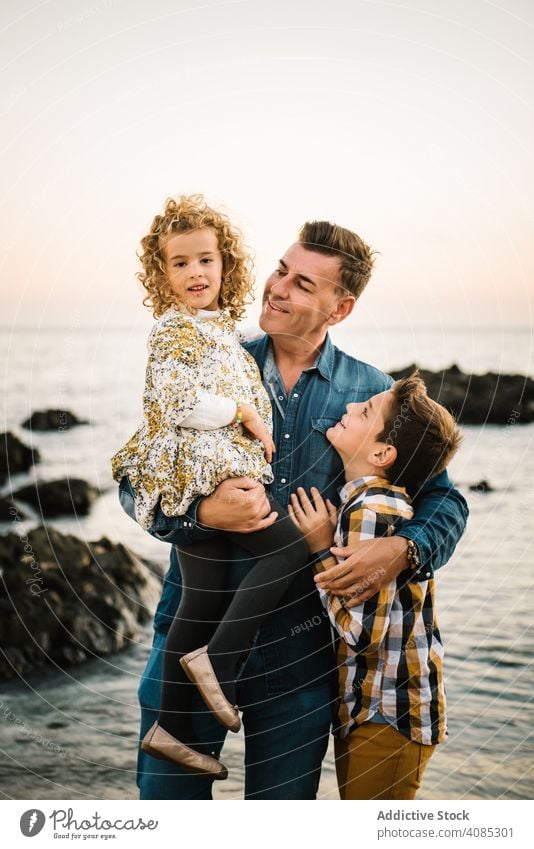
316,521
256,427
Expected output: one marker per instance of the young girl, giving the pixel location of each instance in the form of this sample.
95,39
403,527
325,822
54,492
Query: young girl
207,417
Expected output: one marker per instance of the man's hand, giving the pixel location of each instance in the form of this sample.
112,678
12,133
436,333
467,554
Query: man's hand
315,520
237,504
368,566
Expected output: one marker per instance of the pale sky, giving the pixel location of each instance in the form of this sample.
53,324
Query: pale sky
410,122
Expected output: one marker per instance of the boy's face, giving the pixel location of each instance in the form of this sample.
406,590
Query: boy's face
193,265
355,437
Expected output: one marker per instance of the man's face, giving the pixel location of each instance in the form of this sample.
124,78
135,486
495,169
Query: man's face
302,296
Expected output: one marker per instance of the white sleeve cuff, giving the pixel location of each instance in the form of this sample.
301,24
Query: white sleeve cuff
212,412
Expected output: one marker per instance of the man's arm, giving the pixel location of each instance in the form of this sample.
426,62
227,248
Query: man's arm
237,504
439,522
181,530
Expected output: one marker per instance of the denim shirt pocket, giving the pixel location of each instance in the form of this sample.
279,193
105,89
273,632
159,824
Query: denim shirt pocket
320,452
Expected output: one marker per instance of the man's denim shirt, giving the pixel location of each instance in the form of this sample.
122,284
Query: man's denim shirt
294,647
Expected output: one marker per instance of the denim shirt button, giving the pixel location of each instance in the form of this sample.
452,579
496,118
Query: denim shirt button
283,480
295,394
286,435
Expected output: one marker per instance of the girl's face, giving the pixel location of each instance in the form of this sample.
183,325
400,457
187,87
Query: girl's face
193,265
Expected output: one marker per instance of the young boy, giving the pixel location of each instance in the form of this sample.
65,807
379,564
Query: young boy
392,699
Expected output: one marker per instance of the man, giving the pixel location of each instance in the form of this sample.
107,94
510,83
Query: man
287,689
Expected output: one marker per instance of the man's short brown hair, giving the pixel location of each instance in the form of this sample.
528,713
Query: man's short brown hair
424,433
356,257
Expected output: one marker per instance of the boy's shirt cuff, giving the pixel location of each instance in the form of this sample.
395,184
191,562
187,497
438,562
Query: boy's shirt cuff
323,560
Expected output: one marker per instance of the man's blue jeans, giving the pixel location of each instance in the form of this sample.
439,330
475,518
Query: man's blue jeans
286,739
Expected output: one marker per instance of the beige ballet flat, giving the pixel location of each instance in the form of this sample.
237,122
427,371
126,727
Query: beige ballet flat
199,670
158,743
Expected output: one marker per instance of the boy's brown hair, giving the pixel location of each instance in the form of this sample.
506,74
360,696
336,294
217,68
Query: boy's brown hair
356,257
424,433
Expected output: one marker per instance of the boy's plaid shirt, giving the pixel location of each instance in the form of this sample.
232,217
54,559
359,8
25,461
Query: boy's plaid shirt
390,652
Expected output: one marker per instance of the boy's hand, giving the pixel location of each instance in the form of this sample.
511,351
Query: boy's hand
316,521
256,427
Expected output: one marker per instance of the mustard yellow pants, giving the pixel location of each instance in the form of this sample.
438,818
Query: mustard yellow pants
378,762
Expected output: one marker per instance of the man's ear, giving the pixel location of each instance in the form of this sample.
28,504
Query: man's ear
341,310
384,456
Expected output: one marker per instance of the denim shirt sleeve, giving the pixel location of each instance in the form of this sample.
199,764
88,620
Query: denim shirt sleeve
176,530
440,518
180,530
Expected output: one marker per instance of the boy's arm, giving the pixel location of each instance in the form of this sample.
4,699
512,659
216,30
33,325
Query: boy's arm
363,627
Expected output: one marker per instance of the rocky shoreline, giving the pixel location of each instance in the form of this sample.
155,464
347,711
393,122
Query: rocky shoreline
64,600
489,398
477,399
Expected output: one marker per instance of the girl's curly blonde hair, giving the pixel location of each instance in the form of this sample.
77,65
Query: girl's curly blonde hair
191,212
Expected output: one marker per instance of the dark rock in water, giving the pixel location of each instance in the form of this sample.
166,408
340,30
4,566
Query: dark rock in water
59,420
9,512
63,600
481,486
59,498
491,398
15,456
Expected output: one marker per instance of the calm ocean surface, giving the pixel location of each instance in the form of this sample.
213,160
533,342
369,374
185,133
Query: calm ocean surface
484,593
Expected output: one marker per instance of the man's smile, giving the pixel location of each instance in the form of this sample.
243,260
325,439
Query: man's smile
272,306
